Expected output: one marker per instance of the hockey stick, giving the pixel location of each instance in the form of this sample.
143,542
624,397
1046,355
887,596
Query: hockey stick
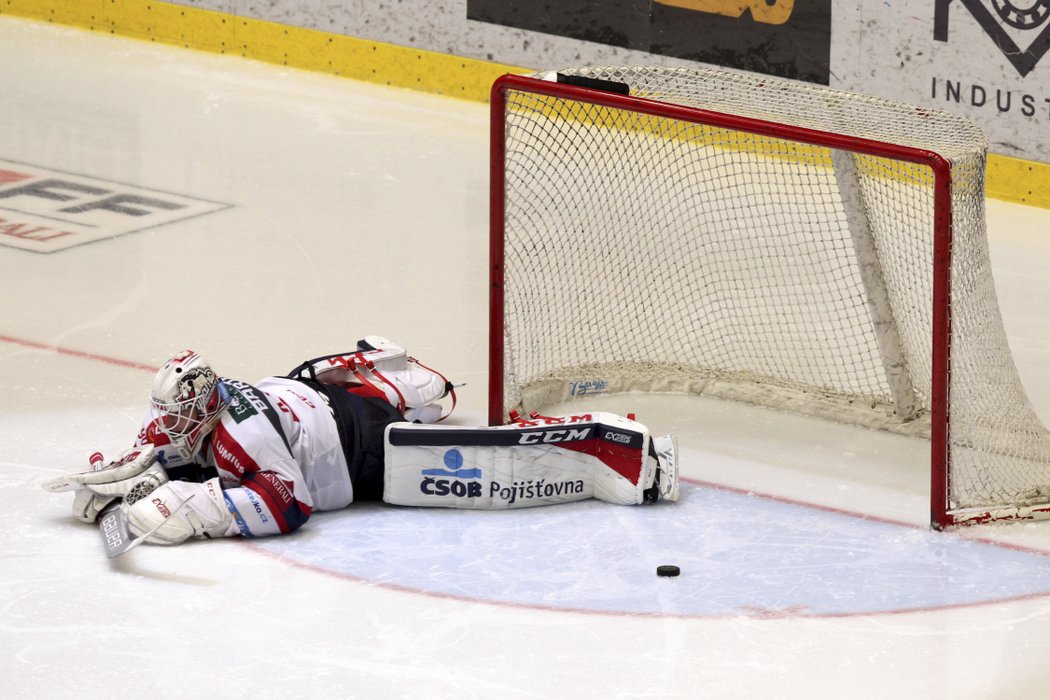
114,528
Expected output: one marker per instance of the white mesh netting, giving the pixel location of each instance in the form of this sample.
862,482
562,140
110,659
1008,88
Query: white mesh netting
644,253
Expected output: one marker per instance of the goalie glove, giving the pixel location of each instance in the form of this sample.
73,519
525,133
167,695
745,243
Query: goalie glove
179,510
132,475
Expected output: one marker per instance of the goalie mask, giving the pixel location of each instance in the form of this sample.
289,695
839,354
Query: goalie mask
190,399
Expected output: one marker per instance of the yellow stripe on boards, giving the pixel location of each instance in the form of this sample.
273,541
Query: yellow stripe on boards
270,42
1016,180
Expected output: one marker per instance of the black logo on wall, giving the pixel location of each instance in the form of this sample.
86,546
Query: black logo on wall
1024,18
787,38
45,210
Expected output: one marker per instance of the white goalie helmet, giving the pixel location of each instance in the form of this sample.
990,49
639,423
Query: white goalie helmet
190,399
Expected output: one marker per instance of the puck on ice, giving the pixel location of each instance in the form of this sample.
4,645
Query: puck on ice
668,570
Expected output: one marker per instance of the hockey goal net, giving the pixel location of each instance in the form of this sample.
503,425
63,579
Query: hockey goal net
750,238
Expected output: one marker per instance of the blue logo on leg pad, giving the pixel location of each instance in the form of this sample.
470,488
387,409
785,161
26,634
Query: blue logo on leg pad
454,462
448,482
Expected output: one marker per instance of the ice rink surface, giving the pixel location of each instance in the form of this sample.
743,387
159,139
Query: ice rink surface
343,209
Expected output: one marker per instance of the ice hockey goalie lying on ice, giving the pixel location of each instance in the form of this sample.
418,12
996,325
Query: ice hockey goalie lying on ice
217,457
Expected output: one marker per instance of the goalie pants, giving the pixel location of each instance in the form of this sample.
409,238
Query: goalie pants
360,421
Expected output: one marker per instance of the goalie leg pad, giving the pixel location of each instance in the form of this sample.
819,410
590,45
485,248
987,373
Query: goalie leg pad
536,462
380,368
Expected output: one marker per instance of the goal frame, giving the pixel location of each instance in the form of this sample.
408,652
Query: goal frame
940,515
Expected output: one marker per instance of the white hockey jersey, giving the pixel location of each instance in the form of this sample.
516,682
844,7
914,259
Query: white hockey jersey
277,453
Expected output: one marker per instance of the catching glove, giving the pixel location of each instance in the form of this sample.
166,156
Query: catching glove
131,476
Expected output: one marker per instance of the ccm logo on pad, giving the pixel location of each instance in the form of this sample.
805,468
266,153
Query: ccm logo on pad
548,436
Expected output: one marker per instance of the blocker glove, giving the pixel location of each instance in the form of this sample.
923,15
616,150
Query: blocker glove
179,510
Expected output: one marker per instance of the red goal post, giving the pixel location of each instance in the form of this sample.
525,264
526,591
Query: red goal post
578,167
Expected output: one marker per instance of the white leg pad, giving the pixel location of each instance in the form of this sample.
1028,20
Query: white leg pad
410,387
535,462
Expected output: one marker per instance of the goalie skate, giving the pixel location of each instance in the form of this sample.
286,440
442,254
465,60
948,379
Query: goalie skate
667,467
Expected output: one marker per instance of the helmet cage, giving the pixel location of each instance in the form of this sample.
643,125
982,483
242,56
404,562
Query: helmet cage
195,408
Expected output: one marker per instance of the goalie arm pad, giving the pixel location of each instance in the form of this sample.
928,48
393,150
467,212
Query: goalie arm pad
537,462
264,504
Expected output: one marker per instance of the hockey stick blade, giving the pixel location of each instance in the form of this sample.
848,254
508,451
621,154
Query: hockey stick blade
114,528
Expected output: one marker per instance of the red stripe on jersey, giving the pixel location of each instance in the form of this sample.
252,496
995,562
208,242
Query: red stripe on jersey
625,461
229,454
263,491
279,499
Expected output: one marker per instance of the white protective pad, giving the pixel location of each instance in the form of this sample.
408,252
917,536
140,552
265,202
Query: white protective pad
104,479
529,463
133,470
179,510
410,387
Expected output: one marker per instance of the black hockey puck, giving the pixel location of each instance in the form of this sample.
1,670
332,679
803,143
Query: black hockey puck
668,570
